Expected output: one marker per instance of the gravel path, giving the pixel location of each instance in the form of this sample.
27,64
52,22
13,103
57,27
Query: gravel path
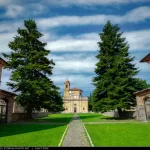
75,136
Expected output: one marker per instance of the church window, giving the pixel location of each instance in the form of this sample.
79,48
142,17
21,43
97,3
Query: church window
66,86
83,108
75,104
66,108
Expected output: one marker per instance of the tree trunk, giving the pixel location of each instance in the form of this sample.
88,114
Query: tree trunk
119,111
28,115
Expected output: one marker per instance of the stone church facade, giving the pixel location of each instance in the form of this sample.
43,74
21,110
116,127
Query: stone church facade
73,100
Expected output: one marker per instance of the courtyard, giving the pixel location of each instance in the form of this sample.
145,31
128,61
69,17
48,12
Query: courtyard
48,131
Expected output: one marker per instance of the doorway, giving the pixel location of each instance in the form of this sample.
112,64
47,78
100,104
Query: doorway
3,111
75,109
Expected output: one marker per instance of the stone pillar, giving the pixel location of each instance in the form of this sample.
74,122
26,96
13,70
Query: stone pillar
141,113
10,109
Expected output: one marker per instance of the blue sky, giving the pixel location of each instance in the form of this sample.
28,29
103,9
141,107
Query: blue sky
71,30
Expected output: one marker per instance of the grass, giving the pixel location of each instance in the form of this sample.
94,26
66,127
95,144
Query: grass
94,117
25,135
119,135
35,132
56,118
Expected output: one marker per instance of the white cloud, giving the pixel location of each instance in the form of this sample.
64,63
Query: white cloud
10,26
138,40
136,15
14,11
74,63
79,43
5,38
71,2
92,2
72,45
5,2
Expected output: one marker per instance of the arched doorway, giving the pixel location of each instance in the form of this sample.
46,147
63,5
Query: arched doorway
3,111
147,107
75,109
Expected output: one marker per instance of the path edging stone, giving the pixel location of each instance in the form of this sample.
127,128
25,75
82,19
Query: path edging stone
62,138
89,138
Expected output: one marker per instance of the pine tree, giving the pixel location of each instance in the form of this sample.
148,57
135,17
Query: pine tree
115,73
31,70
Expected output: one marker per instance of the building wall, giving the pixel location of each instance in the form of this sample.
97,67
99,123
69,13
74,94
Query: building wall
81,106
140,99
66,89
75,94
141,110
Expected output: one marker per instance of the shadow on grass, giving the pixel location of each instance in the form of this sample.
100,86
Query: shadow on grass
14,129
118,118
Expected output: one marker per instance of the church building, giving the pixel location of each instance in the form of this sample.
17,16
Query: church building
73,100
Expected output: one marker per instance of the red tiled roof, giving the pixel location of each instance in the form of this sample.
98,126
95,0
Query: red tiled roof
13,94
3,62
75,89
142,91
146,58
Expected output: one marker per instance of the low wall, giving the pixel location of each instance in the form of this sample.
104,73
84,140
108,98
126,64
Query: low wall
129,114
113,113
21,116
40,114
126,114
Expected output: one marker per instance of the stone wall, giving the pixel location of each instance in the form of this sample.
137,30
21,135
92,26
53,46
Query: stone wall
113,113
126,114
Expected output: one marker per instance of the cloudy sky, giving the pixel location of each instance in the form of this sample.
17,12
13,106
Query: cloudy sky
71,30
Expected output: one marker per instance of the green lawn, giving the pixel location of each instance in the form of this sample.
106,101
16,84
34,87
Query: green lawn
94,117
37,133
121,134
30,135
56,118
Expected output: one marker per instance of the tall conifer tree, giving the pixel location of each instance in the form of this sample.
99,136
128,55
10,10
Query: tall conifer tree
30,71
115,72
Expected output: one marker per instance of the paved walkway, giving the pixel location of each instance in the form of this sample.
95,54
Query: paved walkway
75,136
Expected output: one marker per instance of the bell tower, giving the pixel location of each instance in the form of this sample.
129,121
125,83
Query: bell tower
66,88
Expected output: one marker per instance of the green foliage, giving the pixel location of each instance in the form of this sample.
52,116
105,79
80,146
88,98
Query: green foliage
31,69
90,102
115,80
